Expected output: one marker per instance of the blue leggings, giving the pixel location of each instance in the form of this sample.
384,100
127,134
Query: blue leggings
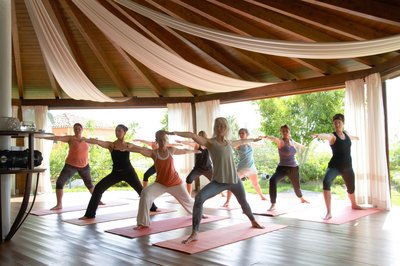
213,188
347,174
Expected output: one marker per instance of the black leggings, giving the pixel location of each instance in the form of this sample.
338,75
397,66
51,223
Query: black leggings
151,171
281,172
128,175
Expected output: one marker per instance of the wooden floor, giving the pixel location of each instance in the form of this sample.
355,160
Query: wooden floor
46,240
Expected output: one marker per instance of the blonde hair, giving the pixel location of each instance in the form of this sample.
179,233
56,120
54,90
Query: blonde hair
221,121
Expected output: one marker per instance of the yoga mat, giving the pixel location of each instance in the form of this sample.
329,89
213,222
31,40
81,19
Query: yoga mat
162,226
340,214
283,208
217,237
113,217
41,212
214,203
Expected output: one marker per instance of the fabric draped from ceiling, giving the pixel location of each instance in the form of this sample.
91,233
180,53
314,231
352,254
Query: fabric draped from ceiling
38,115
327,50
156,57
65,69
206,112
364,118
180,119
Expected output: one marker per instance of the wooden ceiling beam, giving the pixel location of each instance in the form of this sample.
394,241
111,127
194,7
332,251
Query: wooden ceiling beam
17,52
269,19
88,34
321,19
378,11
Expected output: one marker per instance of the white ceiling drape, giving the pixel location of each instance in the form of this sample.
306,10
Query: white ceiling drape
157,58
65,69
327,50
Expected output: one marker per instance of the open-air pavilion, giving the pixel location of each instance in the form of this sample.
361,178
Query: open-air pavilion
191,56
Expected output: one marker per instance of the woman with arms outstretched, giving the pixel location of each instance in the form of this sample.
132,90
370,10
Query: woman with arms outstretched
225,176
340,163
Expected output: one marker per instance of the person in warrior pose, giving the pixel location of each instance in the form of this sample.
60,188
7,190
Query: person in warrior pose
287,166
340,163
225,176
122,169
167,179
77,161
246,166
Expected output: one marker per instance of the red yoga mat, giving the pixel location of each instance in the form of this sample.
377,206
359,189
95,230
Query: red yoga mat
41,212
162,226
283,208
113,217
218,237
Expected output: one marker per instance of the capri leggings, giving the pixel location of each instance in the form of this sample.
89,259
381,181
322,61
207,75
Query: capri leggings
68,171
347,174
195,173
281,172
151,171
213,188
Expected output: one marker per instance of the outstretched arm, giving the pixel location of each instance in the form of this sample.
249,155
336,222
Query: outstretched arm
239,142
57,138
200,140
351,136
184,151
148,143
101,143
189,143
142,150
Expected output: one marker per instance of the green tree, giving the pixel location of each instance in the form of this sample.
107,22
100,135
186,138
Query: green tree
233,127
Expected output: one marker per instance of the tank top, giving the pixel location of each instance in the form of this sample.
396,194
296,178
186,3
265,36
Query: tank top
223,163
202,160
120,160
166,173
246,159
287,155
341,152
78,154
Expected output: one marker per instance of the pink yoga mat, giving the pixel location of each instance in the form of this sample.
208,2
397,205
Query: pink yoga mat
214,203
162,226
218,237
340,214
41,212
282,208
113,217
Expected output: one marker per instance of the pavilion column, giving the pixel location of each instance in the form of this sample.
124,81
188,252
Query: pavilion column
5,104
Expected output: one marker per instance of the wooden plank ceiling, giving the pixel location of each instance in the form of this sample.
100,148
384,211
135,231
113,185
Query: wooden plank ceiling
117,74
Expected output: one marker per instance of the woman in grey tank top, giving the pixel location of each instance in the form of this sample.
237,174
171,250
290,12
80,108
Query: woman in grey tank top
287,166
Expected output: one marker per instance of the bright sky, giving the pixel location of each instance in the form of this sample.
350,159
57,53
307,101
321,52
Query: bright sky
246,114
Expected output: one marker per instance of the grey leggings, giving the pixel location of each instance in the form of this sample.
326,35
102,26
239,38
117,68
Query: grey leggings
213,188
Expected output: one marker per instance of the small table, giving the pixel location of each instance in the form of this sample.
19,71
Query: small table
29,171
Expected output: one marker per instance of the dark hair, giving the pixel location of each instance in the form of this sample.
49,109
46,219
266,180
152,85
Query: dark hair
77,124
285,126
338,117
245,130
123,127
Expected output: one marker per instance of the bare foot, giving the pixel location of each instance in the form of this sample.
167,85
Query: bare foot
204,216
85,218
272,208
255,224
327,216
356,207
140,227
56,208
191,238
101,203
226,204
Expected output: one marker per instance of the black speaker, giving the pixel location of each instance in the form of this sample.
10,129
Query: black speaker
19,159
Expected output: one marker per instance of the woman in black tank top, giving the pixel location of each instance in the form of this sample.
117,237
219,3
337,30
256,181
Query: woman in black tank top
340,163
122,169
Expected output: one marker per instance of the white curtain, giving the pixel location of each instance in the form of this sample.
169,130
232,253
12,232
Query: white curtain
38,115
364,118
156,57
59,58
377,166
328,50
206,112
180,119
355,124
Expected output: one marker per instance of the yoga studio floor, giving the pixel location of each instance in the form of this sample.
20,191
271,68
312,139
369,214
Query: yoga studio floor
53,239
